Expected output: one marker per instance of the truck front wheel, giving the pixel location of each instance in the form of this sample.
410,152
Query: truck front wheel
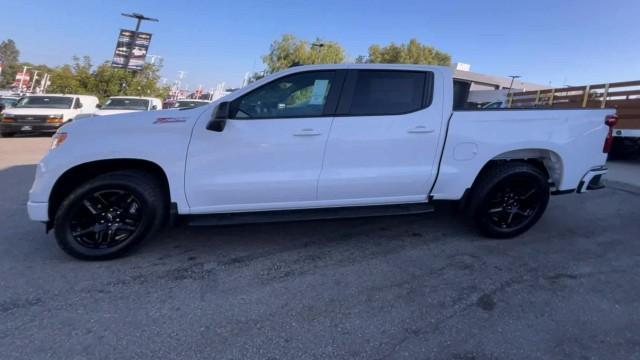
108,215
508,199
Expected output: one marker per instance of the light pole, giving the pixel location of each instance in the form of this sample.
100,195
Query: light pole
139,18
33,81
178,83
513,78
44,83
24,73
153,58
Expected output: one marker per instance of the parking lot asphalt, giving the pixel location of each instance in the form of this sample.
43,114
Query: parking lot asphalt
404,287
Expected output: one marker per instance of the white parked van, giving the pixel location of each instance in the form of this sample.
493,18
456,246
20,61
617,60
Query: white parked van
127,104
45,113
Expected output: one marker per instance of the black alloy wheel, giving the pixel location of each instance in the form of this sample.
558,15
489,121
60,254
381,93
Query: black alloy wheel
508,199
513,203
107,216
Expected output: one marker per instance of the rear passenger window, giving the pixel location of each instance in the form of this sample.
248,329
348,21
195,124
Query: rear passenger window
387,92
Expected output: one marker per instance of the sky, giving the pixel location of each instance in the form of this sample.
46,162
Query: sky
553,43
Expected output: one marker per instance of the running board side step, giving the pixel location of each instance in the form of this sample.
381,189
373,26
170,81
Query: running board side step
307,214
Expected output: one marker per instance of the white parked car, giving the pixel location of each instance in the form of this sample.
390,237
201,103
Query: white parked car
313,142
45,113
127,104
189,103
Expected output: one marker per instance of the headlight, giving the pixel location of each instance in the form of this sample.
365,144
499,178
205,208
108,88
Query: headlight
57,139
8,118
55,118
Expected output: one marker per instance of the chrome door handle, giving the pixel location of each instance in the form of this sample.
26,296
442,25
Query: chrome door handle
307,132
420,129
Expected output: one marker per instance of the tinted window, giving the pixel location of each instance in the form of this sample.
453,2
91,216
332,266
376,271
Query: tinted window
50,102
189,103
387,92
460,94
297,95
126,104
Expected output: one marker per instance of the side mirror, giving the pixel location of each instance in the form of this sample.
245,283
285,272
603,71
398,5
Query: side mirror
219,117
98,106
154,107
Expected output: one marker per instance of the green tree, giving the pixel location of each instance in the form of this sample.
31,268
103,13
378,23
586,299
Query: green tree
9,52
411,53
146,82
105,81
9,55
82,70
290,51
109,81
64,81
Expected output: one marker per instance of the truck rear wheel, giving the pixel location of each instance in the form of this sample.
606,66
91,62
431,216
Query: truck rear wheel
508,199
107,216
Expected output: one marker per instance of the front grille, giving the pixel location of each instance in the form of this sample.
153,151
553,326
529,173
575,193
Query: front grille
31,119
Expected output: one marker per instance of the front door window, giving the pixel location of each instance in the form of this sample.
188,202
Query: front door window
298,95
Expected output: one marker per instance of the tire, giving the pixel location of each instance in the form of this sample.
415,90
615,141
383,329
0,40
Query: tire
508,199
109,215
8,134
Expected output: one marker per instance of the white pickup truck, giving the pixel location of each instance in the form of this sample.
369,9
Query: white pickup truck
314,142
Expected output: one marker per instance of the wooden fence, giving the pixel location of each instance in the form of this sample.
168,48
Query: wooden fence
623,96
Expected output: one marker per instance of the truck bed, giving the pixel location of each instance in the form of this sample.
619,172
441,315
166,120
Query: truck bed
569,136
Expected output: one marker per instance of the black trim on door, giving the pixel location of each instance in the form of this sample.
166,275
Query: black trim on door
333,98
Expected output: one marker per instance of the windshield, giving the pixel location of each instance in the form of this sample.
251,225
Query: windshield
189,103
126,104
47,102
8,101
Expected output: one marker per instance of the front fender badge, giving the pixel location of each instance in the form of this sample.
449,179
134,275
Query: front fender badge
168,120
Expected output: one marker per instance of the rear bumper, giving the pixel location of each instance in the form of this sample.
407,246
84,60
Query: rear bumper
38,211
25,127
592,180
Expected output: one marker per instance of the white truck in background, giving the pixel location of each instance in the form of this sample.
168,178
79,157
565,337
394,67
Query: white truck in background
45,113
314,142
127,104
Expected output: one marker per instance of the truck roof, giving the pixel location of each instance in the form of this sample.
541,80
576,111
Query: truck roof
66,95
444,70
134,97
368,66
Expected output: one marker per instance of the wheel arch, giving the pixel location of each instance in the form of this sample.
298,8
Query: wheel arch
549,161
81,173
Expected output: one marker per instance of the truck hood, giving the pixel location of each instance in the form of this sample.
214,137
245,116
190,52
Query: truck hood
142,123
36,111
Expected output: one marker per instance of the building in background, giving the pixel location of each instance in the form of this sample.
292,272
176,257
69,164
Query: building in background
480,81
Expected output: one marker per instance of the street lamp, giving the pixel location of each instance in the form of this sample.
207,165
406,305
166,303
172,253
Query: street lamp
513,78
33,81
24,73
153,58
139,18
